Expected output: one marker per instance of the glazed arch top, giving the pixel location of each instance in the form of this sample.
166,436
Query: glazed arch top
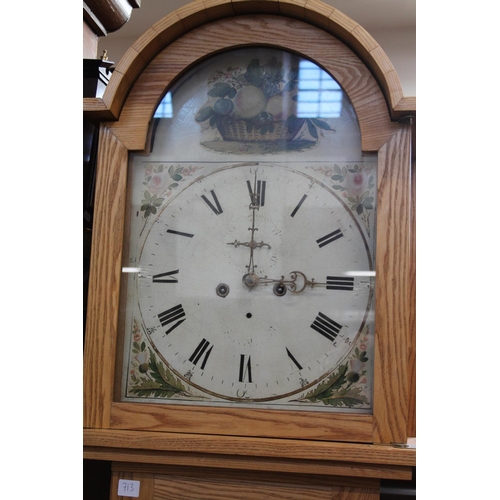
204,27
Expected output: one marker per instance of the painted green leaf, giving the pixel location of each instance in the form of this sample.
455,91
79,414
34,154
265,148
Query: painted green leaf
312,129
204,114
220,89
367,203
254,73
321,124
343,401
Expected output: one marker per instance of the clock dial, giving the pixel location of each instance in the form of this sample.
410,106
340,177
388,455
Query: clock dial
251,240
254,282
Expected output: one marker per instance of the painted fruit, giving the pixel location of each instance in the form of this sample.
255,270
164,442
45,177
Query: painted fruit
249,102
281,107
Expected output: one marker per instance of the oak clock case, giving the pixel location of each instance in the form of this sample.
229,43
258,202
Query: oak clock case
250,254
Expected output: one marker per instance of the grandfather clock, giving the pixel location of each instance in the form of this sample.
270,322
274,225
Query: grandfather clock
250,328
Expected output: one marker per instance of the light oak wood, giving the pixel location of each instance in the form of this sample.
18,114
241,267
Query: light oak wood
247,464
269,477
392,315
368,101
242,422
179,483
97,109
198,12
105,269
251,447
412,343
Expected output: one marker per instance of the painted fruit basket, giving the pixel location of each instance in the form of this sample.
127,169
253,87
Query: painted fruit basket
257,103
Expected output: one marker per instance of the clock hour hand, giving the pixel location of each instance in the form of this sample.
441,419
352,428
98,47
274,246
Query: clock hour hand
251,244
297,283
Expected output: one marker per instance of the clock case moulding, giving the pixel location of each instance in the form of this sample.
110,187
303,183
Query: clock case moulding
139,82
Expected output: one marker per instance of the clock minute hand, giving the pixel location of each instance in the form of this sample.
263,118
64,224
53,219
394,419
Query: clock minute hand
254,205
255,195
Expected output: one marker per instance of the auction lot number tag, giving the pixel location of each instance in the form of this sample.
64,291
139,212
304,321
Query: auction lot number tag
128,488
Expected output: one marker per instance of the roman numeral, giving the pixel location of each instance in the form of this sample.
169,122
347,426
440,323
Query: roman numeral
245,369
217,209
298,206
187,235
171,315
326,326
199,351
259,197
329,238
339,283
295,362
161,278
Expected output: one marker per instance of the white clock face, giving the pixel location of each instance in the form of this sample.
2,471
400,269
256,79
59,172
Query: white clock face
254,283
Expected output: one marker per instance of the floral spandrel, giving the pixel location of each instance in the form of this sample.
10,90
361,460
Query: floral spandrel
347,386
356,185
160,181
149,377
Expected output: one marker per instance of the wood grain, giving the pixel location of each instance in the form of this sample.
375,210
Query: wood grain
104,281
251,447
392,317
412,344
268,477
250,464
197,13
180,488
323,426
179,483
299,37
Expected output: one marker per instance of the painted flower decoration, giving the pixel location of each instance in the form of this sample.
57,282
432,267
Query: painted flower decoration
150,203
157,182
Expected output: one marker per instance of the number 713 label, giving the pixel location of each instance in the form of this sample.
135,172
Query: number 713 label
128,488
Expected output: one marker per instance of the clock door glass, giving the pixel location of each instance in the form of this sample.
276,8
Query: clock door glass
249,271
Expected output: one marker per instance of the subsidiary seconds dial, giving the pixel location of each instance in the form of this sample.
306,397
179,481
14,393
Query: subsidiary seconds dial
254,283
